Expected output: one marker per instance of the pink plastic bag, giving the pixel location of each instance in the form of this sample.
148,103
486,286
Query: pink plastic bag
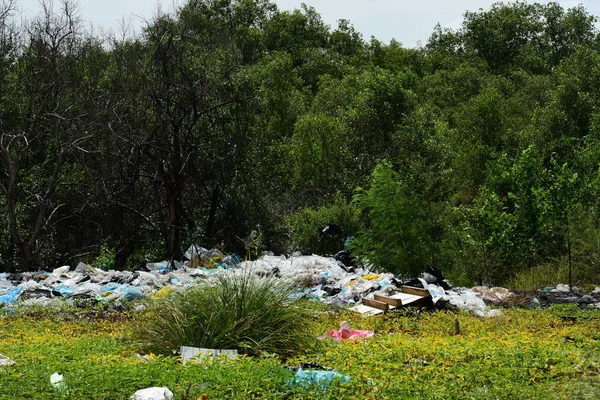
346,332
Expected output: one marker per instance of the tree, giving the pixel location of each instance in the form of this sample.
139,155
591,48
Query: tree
396,235
46,127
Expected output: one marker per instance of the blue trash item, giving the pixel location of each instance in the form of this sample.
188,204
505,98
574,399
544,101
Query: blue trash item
109,287
236,258
129,293
348,243
231,260
5,284
309,377
12,295
64,289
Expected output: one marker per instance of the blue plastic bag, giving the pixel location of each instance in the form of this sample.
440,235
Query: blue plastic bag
311,377
12,295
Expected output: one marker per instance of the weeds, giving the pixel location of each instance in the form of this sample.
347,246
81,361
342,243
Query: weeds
522,354
238,312
551,274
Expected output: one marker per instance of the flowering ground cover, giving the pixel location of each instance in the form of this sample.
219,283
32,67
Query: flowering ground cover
534,354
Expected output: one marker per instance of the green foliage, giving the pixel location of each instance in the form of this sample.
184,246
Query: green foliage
532,36
238,311
304,226
396,238
105,260
227,114
520,354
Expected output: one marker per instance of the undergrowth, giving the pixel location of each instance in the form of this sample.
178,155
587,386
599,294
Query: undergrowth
238,311
532,354
552,274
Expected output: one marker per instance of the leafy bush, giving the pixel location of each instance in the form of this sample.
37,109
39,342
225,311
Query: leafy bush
105,260
238,311
304,226
398,236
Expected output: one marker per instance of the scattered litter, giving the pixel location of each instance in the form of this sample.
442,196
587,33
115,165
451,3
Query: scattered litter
58,381
11,295
310,365
62,270
164,293
586,299
5,361
143,358
467,299
534,303
563,288
331,280
495,295
346,332
153,393
382,301
417,363
322,378
195,353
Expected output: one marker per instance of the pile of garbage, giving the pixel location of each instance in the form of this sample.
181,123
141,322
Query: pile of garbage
326,279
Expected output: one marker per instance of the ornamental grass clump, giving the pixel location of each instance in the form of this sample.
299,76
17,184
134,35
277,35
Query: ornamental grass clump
237,311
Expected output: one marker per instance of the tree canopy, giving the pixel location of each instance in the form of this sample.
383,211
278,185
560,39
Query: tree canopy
476,153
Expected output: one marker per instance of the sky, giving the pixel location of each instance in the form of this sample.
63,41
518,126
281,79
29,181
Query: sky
408,21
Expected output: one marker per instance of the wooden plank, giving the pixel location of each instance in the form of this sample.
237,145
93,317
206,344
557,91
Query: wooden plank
375,304
366,310
416,291
407,299
388,300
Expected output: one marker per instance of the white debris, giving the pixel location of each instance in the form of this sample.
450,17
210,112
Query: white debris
5,361
153,393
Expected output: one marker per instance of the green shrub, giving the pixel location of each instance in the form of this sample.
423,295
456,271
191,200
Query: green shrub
105,260
238,311
398,237
304,226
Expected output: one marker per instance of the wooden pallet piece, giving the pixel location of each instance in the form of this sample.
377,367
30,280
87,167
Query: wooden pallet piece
380,305
388,300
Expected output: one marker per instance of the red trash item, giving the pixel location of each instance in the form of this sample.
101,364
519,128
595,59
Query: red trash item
346,332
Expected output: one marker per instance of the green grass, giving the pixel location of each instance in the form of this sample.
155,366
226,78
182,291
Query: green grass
520,354
238,311
552,274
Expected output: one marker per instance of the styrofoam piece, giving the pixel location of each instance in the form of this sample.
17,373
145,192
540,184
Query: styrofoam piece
188,353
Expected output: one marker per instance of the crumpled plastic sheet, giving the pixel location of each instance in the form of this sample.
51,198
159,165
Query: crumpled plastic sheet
319,377
467,299
153,393
495,295
316,277
346,332
5,361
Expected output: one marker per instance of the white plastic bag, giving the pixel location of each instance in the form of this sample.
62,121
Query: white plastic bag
153,393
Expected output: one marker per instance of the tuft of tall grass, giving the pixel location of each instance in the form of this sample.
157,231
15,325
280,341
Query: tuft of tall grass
239,311
553,273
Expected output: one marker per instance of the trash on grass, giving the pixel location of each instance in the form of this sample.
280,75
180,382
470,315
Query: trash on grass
195,353
346,332
323,378
153,393
5,361
58,382
466,299
495,295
